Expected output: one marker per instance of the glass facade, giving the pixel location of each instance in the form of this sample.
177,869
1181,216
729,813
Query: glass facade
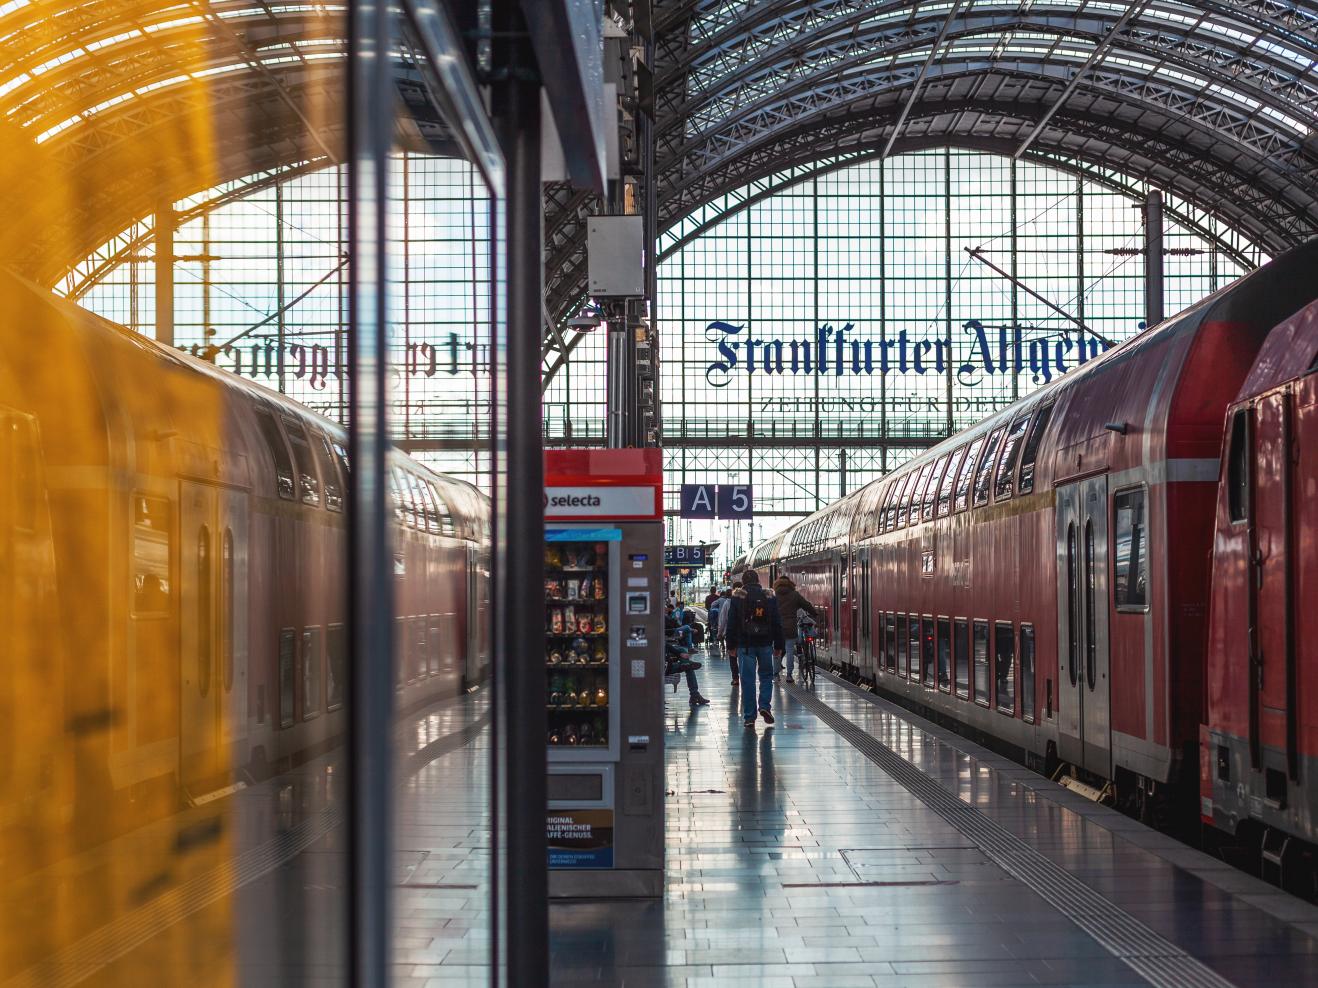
756,387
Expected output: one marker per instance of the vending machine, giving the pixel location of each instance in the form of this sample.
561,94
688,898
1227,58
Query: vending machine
604,671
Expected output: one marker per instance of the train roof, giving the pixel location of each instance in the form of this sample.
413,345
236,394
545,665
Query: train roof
1290,352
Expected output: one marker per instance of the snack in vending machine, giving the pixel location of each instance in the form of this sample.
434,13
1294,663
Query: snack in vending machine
553,557
587,734
580,651
556,620
584,623
570,735
599,588
601,655
599,625
570,589
553,589
586,584
555,736
555,657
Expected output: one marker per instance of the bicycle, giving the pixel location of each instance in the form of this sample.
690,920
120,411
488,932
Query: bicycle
805,650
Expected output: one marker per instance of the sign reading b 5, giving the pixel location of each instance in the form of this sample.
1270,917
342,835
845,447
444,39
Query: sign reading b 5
726,501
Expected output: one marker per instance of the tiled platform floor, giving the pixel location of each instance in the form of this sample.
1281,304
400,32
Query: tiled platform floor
795,860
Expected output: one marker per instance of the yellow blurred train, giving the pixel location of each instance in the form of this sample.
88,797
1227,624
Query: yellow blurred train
172,573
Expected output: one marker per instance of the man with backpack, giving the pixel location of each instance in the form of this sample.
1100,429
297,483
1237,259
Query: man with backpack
755,630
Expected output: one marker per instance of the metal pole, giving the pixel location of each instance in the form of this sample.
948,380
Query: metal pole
617,385
516,112
370,553
1153,281
164,264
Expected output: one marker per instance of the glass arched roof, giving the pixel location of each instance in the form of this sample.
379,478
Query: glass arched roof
1214,102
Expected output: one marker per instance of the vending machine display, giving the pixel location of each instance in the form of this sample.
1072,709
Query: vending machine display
577,634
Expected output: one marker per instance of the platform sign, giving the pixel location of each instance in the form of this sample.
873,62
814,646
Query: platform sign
580,838
736,501
699,501
685,555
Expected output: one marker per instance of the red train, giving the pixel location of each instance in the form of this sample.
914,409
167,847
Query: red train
1092,579
172,580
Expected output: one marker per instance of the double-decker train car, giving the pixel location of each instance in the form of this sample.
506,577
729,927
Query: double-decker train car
1042,579
173,561
1259,747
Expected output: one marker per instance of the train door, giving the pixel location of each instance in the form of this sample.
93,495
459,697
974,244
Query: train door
234,596
1272,649
862,650
1084,691
212,630
472,672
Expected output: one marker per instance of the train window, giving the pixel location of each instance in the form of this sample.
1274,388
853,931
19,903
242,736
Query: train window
26,487
1027,672
964,476
395,496
1004,664
1237,468
226,607
311,659
341,454
205,624
308,485
913,647
892,518
890,643
1030,452
981,646
1130,585
329,470
287,674
426,517
949,482
985,472
944,654
931,489
899,646
1091,608
915,496
961,655
1072,607
441,507
927,650
274,441
152,525
400,653
417,666
336,665
1011,448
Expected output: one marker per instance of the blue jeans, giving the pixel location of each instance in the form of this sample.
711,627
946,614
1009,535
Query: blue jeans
791,656
753,657
684,634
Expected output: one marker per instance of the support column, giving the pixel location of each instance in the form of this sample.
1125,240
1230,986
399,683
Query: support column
166,226
371,96
516,111
1153,267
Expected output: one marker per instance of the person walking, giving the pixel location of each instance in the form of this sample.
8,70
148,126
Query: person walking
790,601
724,614
755,628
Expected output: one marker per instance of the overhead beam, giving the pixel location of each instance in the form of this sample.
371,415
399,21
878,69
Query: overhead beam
919,79
1133,11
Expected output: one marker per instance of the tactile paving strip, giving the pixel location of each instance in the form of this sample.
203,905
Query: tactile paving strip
1150,955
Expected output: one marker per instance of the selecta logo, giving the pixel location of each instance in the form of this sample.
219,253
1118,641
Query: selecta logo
573,501
835,352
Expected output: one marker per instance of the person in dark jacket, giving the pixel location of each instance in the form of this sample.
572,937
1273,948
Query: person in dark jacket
789,602
755,630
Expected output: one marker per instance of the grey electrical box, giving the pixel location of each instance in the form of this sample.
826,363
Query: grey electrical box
615,249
